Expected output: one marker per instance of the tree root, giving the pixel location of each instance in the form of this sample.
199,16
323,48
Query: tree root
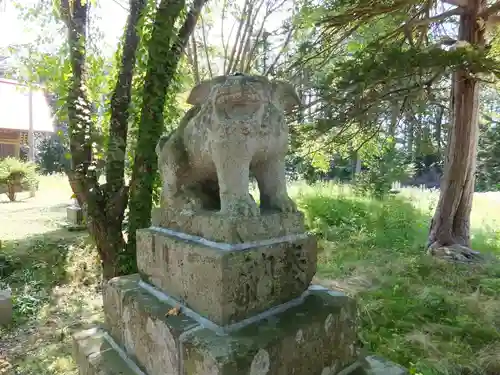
456,253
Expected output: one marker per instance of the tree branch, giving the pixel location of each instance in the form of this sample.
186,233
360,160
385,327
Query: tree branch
490,11
120,101
241,23
187,27
205,48
458,3
440,17
281,52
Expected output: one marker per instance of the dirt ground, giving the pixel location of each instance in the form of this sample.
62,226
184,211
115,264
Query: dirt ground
31,216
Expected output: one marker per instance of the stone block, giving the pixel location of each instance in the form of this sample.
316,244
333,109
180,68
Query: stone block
226,283
74,215
5,307
94,355
316,337
216,227
141,324
376,365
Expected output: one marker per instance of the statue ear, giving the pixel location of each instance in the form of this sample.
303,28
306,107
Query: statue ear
287,94
199,94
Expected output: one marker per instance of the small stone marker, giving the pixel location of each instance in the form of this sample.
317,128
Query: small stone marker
75,216
224,285
74,213
5,307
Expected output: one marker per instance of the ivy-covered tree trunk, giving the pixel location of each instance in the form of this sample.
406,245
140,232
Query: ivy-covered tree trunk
165,51
105,205
450,226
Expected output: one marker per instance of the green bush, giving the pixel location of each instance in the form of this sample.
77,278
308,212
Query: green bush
383,169
52,156
17,175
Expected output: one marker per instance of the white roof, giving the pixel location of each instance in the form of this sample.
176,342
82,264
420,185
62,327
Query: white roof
14,108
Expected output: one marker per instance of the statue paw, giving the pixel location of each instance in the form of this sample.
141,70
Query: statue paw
284,204
240,207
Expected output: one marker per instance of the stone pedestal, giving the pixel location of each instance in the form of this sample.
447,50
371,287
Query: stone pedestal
217,296
5,307
74,214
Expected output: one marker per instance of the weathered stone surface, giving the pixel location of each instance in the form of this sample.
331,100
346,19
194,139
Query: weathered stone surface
237,126
74,215
5,307
317,337
220,228
95,356
226,284
376,365
140,323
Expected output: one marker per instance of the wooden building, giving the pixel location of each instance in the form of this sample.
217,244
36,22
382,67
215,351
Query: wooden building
24,114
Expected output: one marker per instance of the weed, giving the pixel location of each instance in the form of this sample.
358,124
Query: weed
433,317
54,280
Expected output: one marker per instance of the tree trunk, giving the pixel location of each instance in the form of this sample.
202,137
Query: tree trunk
105,205
438,133
451,223
410,134
164,57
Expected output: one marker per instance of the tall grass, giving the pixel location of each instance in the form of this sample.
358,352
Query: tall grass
431,316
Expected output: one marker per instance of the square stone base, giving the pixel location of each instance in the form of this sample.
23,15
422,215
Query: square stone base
74,215
216,227
226,283
314,336
96,354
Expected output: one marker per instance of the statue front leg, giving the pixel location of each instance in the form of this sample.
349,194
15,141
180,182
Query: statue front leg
271,178
232,162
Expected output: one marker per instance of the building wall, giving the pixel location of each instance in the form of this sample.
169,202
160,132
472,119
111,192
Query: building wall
10,141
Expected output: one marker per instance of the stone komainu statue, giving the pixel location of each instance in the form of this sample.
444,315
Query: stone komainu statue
235,127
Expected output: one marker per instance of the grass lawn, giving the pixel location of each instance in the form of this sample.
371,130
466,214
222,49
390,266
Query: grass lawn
433,317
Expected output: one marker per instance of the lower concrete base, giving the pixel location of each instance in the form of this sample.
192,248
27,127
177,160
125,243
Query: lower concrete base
314,334
97,354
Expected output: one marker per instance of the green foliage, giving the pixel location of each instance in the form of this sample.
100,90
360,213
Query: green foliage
488,158
158,108
384,166
52,156
16,174
488,165
432,317
359,62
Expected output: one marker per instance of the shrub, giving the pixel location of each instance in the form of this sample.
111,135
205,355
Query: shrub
17,175
383,169
52,156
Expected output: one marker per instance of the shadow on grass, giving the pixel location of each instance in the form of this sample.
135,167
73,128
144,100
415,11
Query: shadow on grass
431,316
54,280
32,267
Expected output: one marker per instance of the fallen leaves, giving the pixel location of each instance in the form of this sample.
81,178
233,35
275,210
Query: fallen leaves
174,311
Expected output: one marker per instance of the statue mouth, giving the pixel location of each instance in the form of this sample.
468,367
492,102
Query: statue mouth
240,104
237,98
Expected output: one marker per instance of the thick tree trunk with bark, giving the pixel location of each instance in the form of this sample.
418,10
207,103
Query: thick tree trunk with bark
450,227
165,52
105,205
